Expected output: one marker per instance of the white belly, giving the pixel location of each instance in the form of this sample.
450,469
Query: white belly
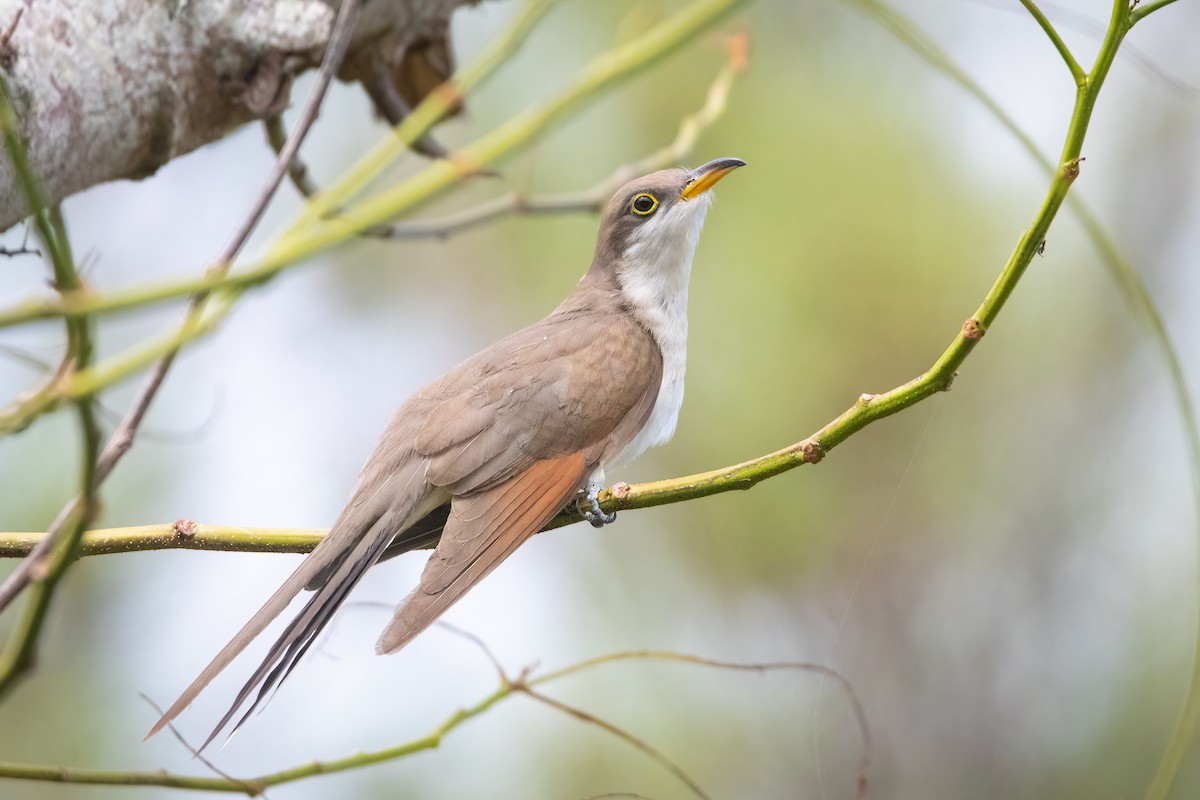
660,425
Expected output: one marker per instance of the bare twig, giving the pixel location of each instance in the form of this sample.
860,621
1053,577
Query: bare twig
521,684
645,747
860,715
478,641
1142,10
297,171
26,357
382,89
1069,18
196,754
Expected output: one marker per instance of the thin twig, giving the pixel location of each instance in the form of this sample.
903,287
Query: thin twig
1146,9
478,641
856,707
380,86
257,785
1076,71
1070,18
277,138
645,747
525,686
196,754
27,357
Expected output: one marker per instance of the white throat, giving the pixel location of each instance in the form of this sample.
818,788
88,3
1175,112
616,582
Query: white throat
654,274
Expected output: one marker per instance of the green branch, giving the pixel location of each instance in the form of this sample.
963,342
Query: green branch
252,787
1143,10
1076,71
180,535
1133,289
50,561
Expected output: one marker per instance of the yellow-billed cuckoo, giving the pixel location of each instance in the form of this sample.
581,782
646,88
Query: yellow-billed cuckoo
493,450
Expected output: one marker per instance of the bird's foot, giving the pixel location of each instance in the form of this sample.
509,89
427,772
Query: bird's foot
588,507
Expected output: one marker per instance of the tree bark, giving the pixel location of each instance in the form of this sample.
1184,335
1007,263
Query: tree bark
112,89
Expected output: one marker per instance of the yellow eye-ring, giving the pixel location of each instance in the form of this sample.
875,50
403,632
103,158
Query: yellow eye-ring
643,204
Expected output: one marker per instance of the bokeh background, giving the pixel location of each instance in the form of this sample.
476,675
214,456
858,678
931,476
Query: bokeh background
1006,573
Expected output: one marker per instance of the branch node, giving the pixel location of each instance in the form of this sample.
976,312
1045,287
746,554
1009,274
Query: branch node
973,330
183,528
864,399
620,491
1070,169
449,95
467,166
813,452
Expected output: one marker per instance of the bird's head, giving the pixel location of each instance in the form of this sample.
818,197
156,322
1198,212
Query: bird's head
652,224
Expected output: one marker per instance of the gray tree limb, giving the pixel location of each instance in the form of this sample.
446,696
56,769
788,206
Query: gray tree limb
114,89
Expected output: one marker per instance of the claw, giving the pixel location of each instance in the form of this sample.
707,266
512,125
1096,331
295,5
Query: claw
588,507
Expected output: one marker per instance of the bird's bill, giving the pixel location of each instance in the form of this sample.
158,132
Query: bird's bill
705,177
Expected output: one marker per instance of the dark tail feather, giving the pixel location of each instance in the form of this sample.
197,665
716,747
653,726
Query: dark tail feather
302,631
333,548
424,533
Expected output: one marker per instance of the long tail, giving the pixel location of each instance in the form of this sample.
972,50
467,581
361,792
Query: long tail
373,518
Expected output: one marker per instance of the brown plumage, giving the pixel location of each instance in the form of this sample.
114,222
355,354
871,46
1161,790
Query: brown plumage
491,451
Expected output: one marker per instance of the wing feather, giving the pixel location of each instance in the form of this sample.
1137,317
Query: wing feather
560,386
482,530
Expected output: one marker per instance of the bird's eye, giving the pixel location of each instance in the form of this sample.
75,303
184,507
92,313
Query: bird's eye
644,204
